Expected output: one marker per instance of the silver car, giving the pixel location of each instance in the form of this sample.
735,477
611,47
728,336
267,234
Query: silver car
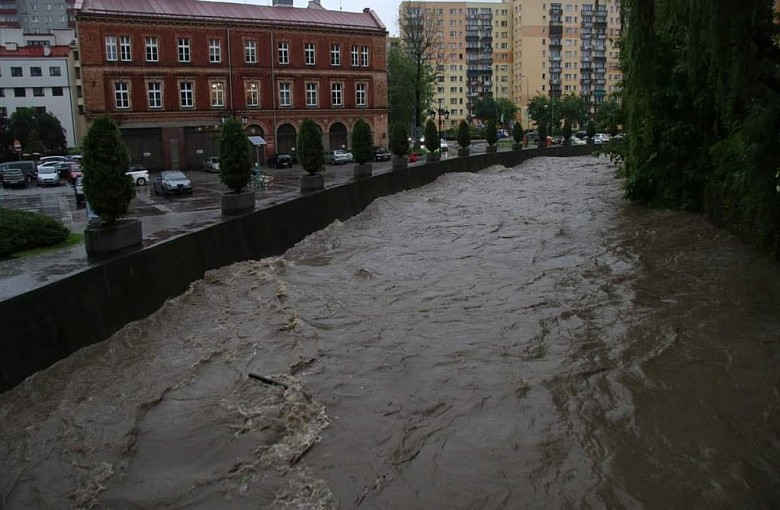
172,182
48,176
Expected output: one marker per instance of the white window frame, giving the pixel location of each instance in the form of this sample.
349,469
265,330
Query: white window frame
335,54
285,94
252,94
215,51
55,71
310,54
111,48
361,94
125,48
184,49
152,46
283,53
217,94
355,52
312,94
364,56
121,95
154,94
250,52
337,94
187,94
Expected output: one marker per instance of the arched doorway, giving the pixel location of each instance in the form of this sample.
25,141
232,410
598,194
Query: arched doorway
286,139
256,135
337,136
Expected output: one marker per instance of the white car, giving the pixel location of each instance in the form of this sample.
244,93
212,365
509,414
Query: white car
443,145
139,174
576,141
48,176
211,164
600,138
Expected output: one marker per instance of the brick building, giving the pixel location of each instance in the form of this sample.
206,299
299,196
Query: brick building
169,73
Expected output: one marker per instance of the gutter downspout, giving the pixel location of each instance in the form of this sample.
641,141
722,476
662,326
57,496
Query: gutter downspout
230,67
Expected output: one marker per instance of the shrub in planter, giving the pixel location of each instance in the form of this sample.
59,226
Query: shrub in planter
235,156
432,142
590,131
361,141
104,163
517,133
464,134
310,147
566,132
491,134
399,140
25,230
542,130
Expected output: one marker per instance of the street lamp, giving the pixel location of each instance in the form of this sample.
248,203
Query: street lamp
443,114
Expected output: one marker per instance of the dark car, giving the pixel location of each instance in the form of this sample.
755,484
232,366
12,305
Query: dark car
69,171
14,178
29,168
280,161
172,181
381,154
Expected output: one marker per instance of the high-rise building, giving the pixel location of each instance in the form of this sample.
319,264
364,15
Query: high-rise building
522,48
37,16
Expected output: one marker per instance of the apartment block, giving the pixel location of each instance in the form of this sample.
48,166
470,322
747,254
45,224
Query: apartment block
169,73
37,16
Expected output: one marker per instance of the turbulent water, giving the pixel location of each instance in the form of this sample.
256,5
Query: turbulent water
517,338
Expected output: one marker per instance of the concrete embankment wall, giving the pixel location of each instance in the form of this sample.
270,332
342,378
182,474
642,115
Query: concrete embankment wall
49,323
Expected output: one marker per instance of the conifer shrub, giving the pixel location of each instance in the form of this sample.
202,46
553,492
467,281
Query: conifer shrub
491,134
432,142
566,132
399,139
464,134
517,133
361,141
235,156
590,131
105,161
310,147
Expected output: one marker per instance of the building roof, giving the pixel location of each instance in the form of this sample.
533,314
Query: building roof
35,51
191,10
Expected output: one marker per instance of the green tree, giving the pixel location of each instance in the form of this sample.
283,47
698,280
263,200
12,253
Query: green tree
399,139
573,108
507,110
486,110
105,160
432,142
609,115
34,144
235,156
517,132
361,141
566,132
464,134
310,147
48,131
400,73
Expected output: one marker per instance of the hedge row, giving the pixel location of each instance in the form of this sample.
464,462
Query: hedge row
24,230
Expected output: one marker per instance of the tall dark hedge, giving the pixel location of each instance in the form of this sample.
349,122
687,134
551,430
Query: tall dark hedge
105,161
399,139
235,156
491,134
701,94
361,141
464,134
310,147
432,142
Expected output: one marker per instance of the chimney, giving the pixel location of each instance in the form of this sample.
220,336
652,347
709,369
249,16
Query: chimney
315,4
282,3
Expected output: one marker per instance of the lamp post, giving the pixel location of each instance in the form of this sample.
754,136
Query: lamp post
527,100
443,114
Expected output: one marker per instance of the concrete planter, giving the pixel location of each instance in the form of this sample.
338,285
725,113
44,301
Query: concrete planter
99,240
362,170
400,162
491,148
237,203
312,182
517,147
432,156
463,152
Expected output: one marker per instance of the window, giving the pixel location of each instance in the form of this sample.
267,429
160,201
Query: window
184,49
309,55
355,56
56,71
38,91
20,92
311,94
335,54
111,48
284,53
364,56
217,95
152,50
154,94
16,71
336,94
186,96
125,52
121,95
285,94
252,93
56,91
360,94
35,71
250,52
215,51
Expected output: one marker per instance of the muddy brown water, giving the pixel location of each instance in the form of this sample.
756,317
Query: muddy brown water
517,338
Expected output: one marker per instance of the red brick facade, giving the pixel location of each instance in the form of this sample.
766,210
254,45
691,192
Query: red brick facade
168,82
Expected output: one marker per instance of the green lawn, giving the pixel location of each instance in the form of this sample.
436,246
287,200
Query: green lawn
72,240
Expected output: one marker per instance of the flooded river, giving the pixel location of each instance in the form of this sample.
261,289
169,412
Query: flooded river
517,338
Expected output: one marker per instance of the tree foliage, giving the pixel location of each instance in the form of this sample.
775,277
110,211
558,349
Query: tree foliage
361,141
491,135
701,97
310,147
43,129
400,73
235,156
105,160
399,139
432,142
464,134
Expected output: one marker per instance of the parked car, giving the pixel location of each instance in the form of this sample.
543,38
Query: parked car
68,170
139,174
172,181
601,138
338,157
443,145
381,154
78,190
13,178
29,168
576,141
55,159
48,175
211,164
280,161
